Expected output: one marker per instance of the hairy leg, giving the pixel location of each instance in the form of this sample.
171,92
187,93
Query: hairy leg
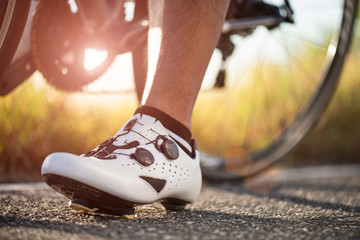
139,55
182,37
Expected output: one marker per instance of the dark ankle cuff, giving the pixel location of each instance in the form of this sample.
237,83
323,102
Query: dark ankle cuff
167,121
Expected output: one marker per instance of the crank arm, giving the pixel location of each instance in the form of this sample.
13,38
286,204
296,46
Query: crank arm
268,18
250,23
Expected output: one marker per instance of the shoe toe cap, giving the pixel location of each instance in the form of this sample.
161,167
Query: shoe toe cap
56,163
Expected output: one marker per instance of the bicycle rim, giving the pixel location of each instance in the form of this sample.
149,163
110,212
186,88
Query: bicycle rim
284,80
13,18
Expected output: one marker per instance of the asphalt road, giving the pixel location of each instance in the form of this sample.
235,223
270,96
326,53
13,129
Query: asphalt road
304,203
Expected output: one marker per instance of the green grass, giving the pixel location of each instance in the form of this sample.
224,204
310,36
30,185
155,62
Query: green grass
36,120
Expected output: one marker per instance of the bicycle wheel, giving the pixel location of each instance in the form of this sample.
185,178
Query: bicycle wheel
284,79
13,15
60,47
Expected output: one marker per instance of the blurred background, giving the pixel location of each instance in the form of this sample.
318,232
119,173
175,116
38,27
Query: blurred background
37,119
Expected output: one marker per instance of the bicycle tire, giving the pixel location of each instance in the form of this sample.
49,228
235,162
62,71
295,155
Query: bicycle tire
13,18
244,163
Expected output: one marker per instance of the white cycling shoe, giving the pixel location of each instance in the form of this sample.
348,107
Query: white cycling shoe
141,164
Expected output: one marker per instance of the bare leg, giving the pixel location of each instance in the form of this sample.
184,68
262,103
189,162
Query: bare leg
182,37
140,54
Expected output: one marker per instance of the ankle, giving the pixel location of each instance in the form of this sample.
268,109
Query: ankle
176,130
179,113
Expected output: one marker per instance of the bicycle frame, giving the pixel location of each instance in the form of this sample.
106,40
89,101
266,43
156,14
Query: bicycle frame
102,21
98,16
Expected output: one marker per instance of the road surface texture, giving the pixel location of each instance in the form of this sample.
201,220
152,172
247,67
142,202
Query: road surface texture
302,203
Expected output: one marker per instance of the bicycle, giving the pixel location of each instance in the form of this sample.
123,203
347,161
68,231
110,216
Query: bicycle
302,29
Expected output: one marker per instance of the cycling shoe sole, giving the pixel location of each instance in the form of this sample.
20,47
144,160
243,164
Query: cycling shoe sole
85,198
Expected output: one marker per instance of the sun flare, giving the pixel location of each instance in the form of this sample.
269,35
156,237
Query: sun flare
94,58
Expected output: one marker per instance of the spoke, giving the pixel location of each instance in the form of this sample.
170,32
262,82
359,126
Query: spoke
270,128
291,72
303,39
295,61
258,66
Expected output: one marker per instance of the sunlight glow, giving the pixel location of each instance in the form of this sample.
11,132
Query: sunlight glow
94,58
73,6
117,78
155,38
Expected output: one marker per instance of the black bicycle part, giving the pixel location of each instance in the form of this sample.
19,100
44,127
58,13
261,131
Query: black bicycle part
248,10
19,12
